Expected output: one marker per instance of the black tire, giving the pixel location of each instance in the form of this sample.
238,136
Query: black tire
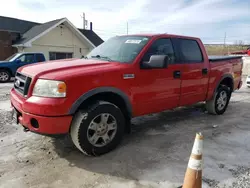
79,130
5,76
212,105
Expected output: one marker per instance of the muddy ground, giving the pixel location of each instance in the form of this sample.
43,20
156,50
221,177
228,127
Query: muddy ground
154,155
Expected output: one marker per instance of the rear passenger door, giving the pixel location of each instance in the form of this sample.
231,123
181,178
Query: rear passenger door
194,73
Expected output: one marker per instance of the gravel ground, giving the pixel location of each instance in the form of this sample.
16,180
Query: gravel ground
154,155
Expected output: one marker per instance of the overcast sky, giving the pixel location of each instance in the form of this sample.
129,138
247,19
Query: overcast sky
207,19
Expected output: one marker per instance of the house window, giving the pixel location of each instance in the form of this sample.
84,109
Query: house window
59,55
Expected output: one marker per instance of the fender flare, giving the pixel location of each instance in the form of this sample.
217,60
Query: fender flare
222,78
8,69
95,91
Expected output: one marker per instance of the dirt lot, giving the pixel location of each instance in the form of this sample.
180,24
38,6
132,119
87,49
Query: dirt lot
154,155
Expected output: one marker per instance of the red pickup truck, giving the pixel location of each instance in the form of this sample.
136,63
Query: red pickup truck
94,99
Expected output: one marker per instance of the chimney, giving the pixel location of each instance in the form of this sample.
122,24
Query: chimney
91,26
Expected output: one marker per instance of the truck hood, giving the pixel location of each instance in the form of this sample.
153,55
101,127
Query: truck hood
4,62
65,67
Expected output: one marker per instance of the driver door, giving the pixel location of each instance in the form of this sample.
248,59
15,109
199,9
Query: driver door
158,89
24,59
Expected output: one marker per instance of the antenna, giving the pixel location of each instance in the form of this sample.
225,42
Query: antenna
85,22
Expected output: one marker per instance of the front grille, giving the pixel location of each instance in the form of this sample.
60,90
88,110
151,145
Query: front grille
22,83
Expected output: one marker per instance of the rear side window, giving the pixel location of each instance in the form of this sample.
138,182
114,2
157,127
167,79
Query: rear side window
190,51
40,58
161,47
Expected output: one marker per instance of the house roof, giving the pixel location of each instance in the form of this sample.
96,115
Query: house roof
15,25
92,36
37,30
40,30
30,30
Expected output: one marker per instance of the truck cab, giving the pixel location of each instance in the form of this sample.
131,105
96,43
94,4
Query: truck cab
9,67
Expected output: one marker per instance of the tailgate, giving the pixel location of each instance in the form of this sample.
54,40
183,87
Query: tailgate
237,71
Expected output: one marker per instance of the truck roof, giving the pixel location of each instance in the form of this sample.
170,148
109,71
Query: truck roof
30,53
162,35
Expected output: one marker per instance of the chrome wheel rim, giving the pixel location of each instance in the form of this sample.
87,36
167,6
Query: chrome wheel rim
222,100
4,76
102,130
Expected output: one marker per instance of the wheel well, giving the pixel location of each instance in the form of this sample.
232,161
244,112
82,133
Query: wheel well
7,69
109,97
228,82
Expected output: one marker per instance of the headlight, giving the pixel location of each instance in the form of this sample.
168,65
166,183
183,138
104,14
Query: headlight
49,88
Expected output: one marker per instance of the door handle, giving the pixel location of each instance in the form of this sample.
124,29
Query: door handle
177,74
204,71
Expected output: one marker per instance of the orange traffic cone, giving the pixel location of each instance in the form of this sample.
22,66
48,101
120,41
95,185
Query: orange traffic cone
193,176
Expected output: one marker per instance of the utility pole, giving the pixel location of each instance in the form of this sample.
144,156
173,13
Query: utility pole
225,37
127,28
83,17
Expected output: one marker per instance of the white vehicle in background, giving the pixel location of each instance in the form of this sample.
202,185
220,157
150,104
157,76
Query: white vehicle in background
248,81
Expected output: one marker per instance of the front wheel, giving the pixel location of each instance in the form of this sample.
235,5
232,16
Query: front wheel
219,103
99,129
4,76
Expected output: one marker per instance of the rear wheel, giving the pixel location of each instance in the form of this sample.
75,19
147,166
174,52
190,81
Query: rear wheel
4,76
99,129
219,103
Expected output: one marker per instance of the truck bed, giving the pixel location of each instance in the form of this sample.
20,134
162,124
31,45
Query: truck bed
222,58
221,64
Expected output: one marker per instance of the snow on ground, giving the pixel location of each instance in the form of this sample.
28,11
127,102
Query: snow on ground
154,155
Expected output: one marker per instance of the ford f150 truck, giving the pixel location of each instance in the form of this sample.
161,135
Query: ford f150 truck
9,66
94,99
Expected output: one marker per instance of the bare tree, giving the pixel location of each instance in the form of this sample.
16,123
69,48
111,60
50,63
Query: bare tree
239,43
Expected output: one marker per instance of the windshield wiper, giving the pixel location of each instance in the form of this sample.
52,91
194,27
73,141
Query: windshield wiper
102,57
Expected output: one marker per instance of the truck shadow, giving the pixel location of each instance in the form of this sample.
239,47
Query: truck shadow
154,141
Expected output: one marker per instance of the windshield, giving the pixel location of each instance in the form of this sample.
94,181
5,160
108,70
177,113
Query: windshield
13,57
122,49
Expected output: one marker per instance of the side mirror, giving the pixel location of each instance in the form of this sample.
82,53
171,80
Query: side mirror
156,62
18,61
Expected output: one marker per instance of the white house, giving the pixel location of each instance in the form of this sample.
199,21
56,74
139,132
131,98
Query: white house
57,39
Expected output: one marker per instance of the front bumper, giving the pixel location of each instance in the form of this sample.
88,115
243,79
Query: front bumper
48,125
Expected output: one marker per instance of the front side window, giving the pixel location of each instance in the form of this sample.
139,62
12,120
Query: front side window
123,49
26,58
161,47
190,51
